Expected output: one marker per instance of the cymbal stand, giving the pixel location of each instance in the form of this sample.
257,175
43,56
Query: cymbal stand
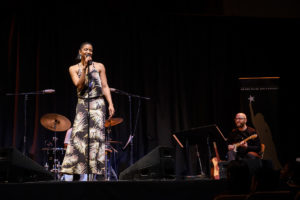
106,173
55,169
110,168
109,148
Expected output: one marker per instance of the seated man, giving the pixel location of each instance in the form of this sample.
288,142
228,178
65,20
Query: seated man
238,147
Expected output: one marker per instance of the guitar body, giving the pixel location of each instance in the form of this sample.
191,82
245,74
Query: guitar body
236,145
215,169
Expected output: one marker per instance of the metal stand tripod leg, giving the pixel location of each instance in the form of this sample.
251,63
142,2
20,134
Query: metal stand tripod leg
114,173
107,172
55,160
199,160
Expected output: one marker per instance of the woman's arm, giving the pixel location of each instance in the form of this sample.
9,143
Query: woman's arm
106,90
78,82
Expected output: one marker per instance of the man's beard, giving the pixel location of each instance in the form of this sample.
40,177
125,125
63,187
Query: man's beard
241,125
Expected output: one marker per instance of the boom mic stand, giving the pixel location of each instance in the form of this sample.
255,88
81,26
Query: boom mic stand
25,94
131,133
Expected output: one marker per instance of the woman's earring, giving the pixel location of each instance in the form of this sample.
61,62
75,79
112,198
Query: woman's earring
79,56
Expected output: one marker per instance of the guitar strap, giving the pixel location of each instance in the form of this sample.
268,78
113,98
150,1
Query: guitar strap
243,134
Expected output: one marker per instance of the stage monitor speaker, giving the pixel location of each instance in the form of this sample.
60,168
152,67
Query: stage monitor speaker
223,169
16,167
158,164
253,165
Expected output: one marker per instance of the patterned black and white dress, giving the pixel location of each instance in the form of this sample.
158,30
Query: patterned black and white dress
76,157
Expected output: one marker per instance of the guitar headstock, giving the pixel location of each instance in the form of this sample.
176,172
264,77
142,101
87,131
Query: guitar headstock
253,136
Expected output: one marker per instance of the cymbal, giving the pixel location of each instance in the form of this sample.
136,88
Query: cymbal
113,122
55,122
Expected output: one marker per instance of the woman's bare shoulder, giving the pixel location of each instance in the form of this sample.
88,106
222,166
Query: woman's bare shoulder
73,68
99,66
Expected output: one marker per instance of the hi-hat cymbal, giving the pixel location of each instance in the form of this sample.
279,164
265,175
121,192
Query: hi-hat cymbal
113,122
55,122
114,142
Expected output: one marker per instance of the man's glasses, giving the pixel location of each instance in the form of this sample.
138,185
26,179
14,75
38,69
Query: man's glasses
239,118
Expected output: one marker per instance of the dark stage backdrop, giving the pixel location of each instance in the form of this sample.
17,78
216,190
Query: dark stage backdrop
188,65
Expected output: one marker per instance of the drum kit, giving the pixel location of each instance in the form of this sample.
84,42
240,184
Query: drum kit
54,155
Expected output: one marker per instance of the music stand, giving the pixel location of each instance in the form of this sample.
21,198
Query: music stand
195,136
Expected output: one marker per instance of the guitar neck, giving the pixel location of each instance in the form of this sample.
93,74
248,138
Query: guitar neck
245,140
216,150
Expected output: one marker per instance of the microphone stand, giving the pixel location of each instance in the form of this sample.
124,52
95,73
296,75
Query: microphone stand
131,133
25,94
88,118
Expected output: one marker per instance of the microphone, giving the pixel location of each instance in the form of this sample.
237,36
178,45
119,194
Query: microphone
90,61
48,91
114,90
125,93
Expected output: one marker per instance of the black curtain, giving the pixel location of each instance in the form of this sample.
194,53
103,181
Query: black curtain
188,65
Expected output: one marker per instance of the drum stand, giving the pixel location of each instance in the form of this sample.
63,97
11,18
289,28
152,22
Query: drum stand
55,160
55,123
56,163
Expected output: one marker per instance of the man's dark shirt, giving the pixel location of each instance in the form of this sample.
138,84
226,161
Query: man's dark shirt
237,136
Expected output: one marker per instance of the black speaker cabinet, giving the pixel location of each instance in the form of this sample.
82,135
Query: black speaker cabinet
158,164
16,167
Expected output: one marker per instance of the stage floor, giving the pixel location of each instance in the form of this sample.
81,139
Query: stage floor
144,190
